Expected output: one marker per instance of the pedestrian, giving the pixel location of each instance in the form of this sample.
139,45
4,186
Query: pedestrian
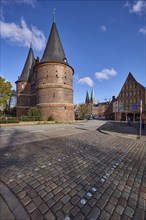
142,124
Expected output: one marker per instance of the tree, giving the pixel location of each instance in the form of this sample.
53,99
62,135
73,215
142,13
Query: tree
5,94
81,111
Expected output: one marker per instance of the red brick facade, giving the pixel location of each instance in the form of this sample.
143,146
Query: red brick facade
47,83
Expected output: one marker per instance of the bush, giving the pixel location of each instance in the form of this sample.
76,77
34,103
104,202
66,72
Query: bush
50,118
34,114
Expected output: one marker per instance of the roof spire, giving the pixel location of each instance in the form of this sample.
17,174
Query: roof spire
54,13
30,44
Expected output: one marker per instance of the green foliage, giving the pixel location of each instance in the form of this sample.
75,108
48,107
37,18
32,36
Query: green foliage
5,93
34,113
82,111
50,118
5,120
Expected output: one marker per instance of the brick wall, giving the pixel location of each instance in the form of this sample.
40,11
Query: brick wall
54,91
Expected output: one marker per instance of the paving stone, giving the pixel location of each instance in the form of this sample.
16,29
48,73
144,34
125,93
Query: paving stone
79,216
43,208
109,208
57,206
40,187
25,200
122,201
86,209
49,216
72,192
66,190
42,193
60,215
104,215
140,213
129,211
132,203
101,203
119,209
36,215
133,196
32,193
97,195
30,207
58,196
74,211
115,216
65,199
142,203
75,200
92,202
50,203
94,213
21,194
37,200
81,193
57,190
113,200
68,206
125,217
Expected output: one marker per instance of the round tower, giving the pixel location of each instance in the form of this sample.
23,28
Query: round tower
54,87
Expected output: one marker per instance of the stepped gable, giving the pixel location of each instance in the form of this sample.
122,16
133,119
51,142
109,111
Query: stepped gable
54,51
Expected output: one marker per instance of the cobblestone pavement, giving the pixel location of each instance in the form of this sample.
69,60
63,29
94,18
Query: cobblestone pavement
84,176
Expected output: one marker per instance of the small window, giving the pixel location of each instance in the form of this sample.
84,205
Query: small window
53,95
22,86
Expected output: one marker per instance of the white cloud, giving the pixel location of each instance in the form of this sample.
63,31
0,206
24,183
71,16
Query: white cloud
22,35
103,28
28,2
143,30
138,7
105,74
76,77
86,80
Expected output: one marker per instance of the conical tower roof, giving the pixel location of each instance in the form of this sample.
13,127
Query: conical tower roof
92,94
54,51
87,98
27,69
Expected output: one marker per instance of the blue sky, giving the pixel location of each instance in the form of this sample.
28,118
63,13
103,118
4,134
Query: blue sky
103,40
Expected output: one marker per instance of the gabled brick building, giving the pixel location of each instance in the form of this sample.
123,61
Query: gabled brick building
128,101
47,83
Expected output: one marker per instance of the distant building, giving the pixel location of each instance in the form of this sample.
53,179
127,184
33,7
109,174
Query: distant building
47,83
127,103
90,100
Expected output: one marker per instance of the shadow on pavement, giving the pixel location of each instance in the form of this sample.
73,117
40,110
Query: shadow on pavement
122,128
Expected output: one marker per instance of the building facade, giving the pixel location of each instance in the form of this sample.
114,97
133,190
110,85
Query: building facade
127,104
47,83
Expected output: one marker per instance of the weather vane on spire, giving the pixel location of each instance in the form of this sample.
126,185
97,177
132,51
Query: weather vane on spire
54,13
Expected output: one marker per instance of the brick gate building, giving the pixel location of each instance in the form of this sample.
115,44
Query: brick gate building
47,83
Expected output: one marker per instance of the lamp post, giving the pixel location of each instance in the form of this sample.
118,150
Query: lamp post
140,117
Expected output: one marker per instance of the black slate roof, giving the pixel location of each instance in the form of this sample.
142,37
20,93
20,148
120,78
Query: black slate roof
54,51
27,69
